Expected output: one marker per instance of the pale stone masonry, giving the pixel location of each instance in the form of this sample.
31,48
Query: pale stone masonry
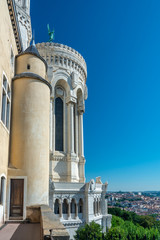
73,200
42,160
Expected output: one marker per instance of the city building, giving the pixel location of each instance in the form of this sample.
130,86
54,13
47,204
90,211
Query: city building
42,102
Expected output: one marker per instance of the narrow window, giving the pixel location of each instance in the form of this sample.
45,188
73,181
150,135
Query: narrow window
3,113
8,114
28,66
60,60
59,124
5,107
56,207
2,190
56,60
73,206
80,209
65,207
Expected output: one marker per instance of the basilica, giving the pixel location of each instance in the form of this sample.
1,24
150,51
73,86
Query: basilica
42,101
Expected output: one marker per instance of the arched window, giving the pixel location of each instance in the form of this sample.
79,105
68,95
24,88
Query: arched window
65,206
73,206
56,207
80,206
59,124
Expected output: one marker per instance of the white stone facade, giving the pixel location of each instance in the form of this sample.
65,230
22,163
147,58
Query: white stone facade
24,21
73,200
67,75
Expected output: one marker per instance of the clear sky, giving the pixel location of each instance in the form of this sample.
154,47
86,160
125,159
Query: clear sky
120,41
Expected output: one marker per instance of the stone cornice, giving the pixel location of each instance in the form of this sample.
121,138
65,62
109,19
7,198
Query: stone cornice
15,26
62,56
34,76
63,47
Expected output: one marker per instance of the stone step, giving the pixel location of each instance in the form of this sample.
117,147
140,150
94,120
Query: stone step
17,221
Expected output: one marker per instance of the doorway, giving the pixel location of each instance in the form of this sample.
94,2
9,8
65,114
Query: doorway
16,198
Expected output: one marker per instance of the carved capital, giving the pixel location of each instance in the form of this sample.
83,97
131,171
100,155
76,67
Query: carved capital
71,99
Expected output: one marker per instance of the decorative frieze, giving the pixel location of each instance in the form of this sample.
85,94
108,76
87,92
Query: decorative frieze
15,25
62,56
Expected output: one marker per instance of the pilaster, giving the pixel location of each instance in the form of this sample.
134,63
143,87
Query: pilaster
71,155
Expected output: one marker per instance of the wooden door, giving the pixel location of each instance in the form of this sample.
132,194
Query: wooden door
16,198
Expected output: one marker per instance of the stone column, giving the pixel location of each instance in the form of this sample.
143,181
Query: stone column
69,210
71,156
70,127
81,147
76,129
76,214
60,209
98,206
51,124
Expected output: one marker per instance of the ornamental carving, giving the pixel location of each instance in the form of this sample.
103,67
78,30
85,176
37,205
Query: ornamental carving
74,80
85,92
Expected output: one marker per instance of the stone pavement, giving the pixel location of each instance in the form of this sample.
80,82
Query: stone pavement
20,231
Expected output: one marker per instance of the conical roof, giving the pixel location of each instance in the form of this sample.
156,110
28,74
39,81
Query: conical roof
32,49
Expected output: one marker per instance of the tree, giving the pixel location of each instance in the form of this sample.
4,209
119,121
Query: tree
117,221
89,232
116,233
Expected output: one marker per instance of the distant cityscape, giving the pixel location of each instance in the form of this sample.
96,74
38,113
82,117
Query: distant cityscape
142,203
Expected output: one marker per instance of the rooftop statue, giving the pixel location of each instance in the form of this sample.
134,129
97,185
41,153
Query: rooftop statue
50,33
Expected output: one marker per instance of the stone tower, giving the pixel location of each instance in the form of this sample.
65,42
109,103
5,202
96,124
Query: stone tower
72,200
67,74
23,14
29,151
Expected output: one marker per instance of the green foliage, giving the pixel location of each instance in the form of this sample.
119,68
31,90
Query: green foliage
144,221
131,230
89,232
125,226
117,221
116,233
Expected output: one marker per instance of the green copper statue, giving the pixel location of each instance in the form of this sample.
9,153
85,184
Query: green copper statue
51,34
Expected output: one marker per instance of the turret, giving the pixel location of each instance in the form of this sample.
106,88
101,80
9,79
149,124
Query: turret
29,153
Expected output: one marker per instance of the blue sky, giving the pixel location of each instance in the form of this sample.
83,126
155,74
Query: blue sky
120,41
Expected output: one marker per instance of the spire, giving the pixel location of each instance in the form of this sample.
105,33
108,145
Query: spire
33,39
32,48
